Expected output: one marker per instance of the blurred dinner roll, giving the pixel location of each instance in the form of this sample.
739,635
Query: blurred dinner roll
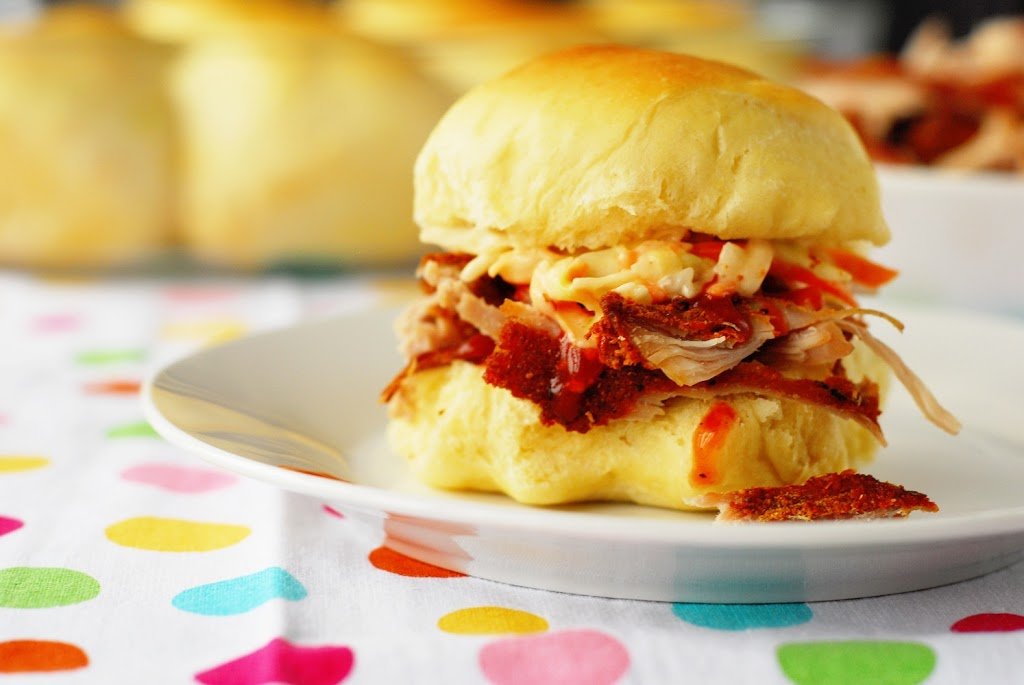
638,20
461,43
724,30
85,141
178,21
299,141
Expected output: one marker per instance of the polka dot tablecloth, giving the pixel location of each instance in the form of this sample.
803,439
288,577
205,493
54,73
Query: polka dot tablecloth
126,560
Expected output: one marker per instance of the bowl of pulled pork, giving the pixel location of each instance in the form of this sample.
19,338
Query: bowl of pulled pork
944,121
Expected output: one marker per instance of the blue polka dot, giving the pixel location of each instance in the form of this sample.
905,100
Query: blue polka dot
743,616
238,595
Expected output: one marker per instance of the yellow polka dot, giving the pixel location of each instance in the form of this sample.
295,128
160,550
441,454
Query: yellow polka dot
211,332
11,464
490,621
174,535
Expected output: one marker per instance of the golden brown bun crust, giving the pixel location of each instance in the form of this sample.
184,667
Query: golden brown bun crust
462,433
599,146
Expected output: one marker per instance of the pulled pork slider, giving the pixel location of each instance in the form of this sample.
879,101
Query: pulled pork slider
647,290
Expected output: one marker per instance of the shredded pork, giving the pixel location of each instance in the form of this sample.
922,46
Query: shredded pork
688,362
821,344
923,397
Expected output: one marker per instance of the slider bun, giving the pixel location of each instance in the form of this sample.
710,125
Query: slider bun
86,151
600,146
458,432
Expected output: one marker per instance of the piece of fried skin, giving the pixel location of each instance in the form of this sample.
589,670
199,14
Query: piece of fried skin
832,496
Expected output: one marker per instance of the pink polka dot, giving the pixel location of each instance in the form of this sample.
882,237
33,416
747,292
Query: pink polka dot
9,525
56,323
279,661
189,294
989,623
331,511
572,657
185,479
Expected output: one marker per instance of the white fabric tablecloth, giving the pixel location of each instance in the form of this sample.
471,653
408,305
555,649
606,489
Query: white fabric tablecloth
126,560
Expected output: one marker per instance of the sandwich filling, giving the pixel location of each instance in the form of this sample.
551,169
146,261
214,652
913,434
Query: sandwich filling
617,333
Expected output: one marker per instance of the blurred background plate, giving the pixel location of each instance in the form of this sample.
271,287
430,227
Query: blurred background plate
957,237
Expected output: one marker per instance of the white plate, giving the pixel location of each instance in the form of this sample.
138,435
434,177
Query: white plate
306,397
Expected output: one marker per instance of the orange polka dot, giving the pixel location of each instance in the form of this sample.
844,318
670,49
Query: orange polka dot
118,387
391,561
34,656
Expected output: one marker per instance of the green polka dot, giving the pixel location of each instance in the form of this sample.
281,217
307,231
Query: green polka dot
24,587
856,662
140,429
100,357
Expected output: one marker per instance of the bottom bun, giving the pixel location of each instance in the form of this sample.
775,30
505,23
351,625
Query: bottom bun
459,432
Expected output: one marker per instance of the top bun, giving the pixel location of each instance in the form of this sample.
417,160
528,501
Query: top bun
599,146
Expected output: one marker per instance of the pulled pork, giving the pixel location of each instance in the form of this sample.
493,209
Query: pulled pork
956,104
637,356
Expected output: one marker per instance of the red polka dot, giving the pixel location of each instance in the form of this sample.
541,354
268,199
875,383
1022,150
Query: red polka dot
34,656
989,623
391,561
279,661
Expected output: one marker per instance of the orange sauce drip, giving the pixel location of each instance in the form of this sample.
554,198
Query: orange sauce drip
708,439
